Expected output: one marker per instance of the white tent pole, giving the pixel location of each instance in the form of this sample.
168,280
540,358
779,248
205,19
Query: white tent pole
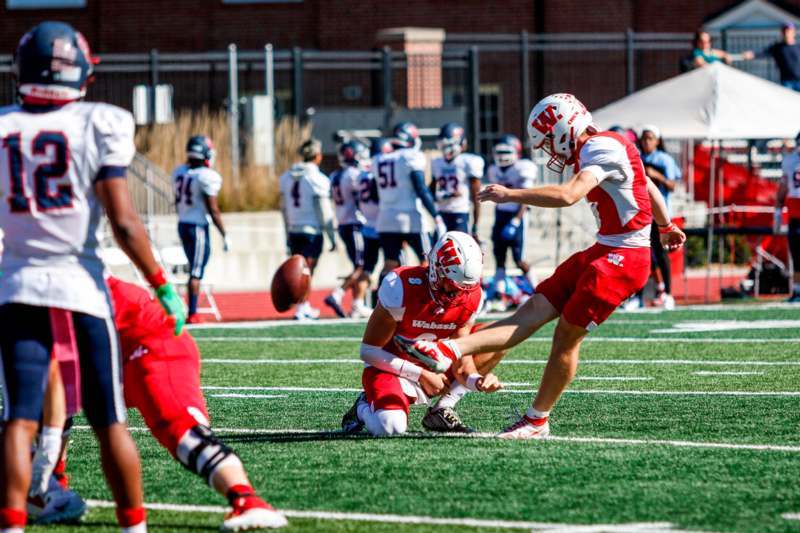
710,236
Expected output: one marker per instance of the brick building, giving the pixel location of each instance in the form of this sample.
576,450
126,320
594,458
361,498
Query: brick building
598,74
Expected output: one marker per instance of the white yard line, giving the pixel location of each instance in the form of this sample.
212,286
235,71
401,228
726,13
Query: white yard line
284,361
791,516
791,394
418,520
218,361
485,435
710,373
613,378
659,340
262,396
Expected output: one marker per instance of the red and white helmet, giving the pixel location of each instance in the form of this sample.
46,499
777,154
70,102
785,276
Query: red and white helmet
455,267
555,124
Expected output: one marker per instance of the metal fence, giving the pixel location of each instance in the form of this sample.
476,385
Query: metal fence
495,78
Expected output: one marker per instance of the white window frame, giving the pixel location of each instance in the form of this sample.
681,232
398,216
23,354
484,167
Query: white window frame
234,2
45,4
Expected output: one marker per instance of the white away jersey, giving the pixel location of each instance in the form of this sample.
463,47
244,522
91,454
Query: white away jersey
192,185
620,201
368,199
49,162
791,172
400,207
344,187
300,186
452,181
520,175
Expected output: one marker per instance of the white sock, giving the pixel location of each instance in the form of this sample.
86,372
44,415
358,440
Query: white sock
338,293
385,423
536,414
363,410
138,528
12,530
500,280
451,397
532,279
45,459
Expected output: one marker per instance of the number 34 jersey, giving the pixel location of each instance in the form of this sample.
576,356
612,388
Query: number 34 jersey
192,185
49,163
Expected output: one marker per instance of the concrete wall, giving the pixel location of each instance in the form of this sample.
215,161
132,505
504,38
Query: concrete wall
258,246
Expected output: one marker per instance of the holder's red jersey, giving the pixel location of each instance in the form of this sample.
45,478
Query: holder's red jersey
140,319
405,293
620,200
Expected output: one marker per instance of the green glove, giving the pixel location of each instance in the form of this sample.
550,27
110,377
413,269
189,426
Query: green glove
173,305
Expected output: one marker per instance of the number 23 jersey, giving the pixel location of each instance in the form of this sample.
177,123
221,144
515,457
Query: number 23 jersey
49,163
452,181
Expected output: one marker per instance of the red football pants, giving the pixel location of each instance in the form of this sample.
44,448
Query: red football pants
165,388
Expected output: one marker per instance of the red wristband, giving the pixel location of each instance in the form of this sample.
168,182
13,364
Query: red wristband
669,227
157,279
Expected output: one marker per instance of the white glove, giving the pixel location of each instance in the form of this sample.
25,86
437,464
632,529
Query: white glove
226,243
441,229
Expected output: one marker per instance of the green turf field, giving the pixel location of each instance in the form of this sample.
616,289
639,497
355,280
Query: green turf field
678,421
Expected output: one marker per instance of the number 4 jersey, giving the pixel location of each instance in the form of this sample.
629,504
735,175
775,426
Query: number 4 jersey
49,162
192,185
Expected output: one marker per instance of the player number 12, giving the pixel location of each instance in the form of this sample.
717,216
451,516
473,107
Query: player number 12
54,169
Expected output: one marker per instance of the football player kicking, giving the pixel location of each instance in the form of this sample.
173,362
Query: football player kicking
62,162
456,180
585,289
345,185
162,381
434,302
306,209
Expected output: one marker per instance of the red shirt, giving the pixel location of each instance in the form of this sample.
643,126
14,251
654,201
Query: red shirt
406,295
140,319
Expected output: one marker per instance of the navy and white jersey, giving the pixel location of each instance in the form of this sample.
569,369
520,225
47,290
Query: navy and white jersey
400,209
49,163
300,187
452,181
520,175
192,185
344,187
368,199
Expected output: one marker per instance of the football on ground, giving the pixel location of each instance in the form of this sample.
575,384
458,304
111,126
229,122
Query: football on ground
290,283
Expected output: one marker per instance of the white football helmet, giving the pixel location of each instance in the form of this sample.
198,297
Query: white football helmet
555,124
455,265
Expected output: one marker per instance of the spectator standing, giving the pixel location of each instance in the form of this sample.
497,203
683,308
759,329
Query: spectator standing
789,195
662,170
786,54
703,54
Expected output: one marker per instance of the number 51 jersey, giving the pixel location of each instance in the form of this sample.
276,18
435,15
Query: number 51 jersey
49,162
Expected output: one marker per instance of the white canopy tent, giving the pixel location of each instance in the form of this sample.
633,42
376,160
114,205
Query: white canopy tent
713,103
716,102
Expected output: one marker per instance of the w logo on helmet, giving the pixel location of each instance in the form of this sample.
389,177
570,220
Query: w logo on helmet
545,120
448,255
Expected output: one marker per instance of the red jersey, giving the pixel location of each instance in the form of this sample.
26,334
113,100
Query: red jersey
404,292
140,319
620,200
